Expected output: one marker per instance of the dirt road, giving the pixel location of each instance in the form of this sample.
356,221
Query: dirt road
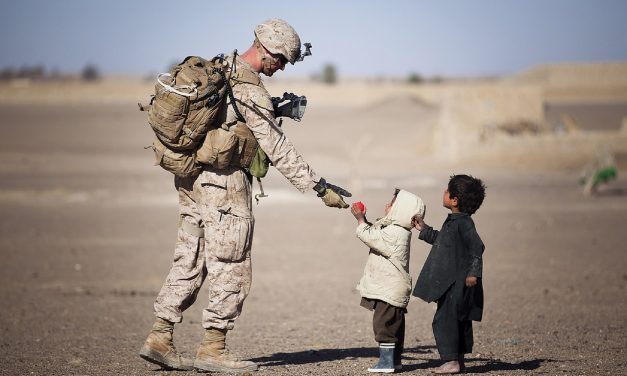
88,227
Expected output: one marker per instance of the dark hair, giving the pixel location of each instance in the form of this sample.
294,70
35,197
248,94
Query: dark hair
469,192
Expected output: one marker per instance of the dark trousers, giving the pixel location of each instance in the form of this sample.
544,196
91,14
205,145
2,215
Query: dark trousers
388,322
453,337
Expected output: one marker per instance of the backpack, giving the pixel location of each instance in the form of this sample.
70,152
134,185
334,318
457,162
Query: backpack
185,109
187,102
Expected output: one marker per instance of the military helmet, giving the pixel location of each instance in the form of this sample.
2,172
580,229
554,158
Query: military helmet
278,37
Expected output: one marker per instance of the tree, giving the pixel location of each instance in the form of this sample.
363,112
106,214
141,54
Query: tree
8,73
90,73
415,78
329,75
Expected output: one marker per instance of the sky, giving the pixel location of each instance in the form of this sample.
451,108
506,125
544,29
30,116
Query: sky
360,38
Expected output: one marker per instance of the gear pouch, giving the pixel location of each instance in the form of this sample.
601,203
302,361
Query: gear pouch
180,163
231,240
260,164
217,149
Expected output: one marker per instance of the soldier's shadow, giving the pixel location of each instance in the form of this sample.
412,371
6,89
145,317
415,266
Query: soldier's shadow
412,359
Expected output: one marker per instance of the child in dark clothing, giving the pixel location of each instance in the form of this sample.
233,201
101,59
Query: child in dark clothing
451,276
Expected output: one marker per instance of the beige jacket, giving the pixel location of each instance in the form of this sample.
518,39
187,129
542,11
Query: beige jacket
386,275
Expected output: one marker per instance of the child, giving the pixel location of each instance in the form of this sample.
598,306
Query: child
451,275
386,283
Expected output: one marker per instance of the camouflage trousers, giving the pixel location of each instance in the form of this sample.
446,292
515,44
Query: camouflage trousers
217,205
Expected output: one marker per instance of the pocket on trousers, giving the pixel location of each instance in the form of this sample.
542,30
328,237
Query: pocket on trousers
232,240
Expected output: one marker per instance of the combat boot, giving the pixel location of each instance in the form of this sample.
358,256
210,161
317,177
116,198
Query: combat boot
213,356
159,348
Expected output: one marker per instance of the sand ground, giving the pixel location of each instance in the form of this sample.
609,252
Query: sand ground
88,227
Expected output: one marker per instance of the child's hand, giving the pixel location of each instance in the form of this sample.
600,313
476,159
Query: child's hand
418,222
356,210
361,206
471,281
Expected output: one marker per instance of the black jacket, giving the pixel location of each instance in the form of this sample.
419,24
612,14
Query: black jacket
455,255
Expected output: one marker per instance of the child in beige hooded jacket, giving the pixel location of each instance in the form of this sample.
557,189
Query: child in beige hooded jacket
386,284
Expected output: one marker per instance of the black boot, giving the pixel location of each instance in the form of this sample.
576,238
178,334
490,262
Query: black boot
386,359
398,352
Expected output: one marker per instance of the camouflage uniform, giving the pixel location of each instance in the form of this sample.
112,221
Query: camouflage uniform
219,203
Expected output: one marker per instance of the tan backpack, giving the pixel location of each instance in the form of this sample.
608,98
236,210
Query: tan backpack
187,102
185,109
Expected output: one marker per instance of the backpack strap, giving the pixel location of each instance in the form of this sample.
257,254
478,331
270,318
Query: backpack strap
229,92
244,76
237,77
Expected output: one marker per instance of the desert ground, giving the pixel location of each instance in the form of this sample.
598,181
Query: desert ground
88,227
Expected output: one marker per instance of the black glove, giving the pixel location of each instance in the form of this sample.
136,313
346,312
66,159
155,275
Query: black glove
331,194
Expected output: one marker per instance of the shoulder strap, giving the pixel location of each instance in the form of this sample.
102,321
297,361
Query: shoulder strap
235,78
229,92
245,77
242,76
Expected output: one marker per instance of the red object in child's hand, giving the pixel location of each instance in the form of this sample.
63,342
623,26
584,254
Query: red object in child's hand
361,206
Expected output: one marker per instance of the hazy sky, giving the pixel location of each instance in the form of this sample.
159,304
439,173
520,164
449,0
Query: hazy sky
391,37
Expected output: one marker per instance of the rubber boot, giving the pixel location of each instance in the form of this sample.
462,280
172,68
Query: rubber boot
386,359
159,348
398,352
213,356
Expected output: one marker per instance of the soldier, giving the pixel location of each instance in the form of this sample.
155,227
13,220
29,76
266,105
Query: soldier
216,221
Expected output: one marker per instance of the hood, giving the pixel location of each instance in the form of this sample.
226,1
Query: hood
405,207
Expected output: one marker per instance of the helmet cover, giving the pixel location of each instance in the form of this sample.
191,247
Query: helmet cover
278,37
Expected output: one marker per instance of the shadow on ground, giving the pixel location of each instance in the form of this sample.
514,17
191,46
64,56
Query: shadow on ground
330,355
492,365
610,192
488,365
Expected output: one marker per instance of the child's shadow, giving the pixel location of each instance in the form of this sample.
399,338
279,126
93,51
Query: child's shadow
330,355
410,362
497,365
490,365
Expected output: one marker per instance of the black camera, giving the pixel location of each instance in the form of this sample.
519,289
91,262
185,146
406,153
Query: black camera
289,105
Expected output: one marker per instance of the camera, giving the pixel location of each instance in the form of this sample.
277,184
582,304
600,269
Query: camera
289,105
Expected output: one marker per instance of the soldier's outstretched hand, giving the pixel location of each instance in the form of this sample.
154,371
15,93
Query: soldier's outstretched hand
332,194
334,198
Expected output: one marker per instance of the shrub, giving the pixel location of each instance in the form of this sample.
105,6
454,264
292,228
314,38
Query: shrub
415,78
329,75
90,73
